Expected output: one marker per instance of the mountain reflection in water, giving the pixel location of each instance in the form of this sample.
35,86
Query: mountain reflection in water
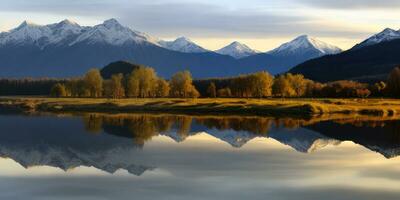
105,141
150,156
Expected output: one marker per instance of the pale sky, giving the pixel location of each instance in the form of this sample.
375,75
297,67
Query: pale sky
261,24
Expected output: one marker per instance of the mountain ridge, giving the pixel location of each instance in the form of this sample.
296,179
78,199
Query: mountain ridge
66,49
237,50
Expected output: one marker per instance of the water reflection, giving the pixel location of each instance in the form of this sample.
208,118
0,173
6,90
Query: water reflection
303,135
62,141
198,157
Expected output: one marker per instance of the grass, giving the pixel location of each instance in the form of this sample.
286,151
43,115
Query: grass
267,107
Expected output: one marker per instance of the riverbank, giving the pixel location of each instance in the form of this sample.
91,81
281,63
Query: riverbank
266,107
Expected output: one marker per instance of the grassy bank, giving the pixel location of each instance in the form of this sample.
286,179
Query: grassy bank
267,107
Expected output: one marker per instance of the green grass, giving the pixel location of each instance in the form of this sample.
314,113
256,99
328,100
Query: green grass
271,107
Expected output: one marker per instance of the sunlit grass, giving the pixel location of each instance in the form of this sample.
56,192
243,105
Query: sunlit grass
378,107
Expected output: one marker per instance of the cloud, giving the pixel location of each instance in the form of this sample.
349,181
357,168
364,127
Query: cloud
201,19
353,4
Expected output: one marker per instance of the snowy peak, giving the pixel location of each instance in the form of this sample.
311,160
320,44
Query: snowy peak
182,44
303,44
109,32
386,35
113,24
237,50
68,33
67,22
27,32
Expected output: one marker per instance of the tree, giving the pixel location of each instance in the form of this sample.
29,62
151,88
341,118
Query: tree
282,87
181,85
261,84
58,90
142,83
393,83
114,88
93,83
298,83
162,88
212,90
224,92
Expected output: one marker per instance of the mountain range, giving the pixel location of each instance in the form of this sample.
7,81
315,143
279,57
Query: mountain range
67,49
370,61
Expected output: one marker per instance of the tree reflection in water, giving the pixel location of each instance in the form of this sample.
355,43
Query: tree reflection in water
142,127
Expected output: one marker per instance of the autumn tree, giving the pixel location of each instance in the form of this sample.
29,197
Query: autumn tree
224,92
58,90
212,90
393,83
142,82
93,83
261,84
181,85
114,87
162,88
298,83
76,88
282,87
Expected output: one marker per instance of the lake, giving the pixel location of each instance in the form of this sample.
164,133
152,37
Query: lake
165,156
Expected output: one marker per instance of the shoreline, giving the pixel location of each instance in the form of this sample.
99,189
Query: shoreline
218,106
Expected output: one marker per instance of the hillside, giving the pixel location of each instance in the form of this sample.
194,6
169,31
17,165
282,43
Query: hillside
367,64
118,67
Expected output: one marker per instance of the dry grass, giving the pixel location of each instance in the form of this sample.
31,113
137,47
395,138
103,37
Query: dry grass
300,107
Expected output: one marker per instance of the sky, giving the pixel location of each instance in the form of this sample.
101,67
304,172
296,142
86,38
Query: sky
261,24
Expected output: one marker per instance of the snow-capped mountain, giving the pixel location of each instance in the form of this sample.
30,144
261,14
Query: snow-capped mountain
305,45
68,33
237,50
384,36
26,33
66,49
112,32
183,44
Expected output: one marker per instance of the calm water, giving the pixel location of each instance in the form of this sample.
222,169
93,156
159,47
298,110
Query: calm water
136,156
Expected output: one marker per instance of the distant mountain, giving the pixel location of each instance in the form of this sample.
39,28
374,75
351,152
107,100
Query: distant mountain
290,54
366,64
237,50
384,36
305,46
184,45
66,49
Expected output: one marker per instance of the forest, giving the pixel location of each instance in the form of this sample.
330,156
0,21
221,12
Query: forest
143,82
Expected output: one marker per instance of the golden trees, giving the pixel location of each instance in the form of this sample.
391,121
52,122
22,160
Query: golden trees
114,87
93,83
181,85
252,85
58,90
393,83
261,84
224,92
162,88
298,83
142,83
282,87
212,90
290,85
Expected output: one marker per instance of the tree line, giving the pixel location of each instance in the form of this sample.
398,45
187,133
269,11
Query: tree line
140,83
144,83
